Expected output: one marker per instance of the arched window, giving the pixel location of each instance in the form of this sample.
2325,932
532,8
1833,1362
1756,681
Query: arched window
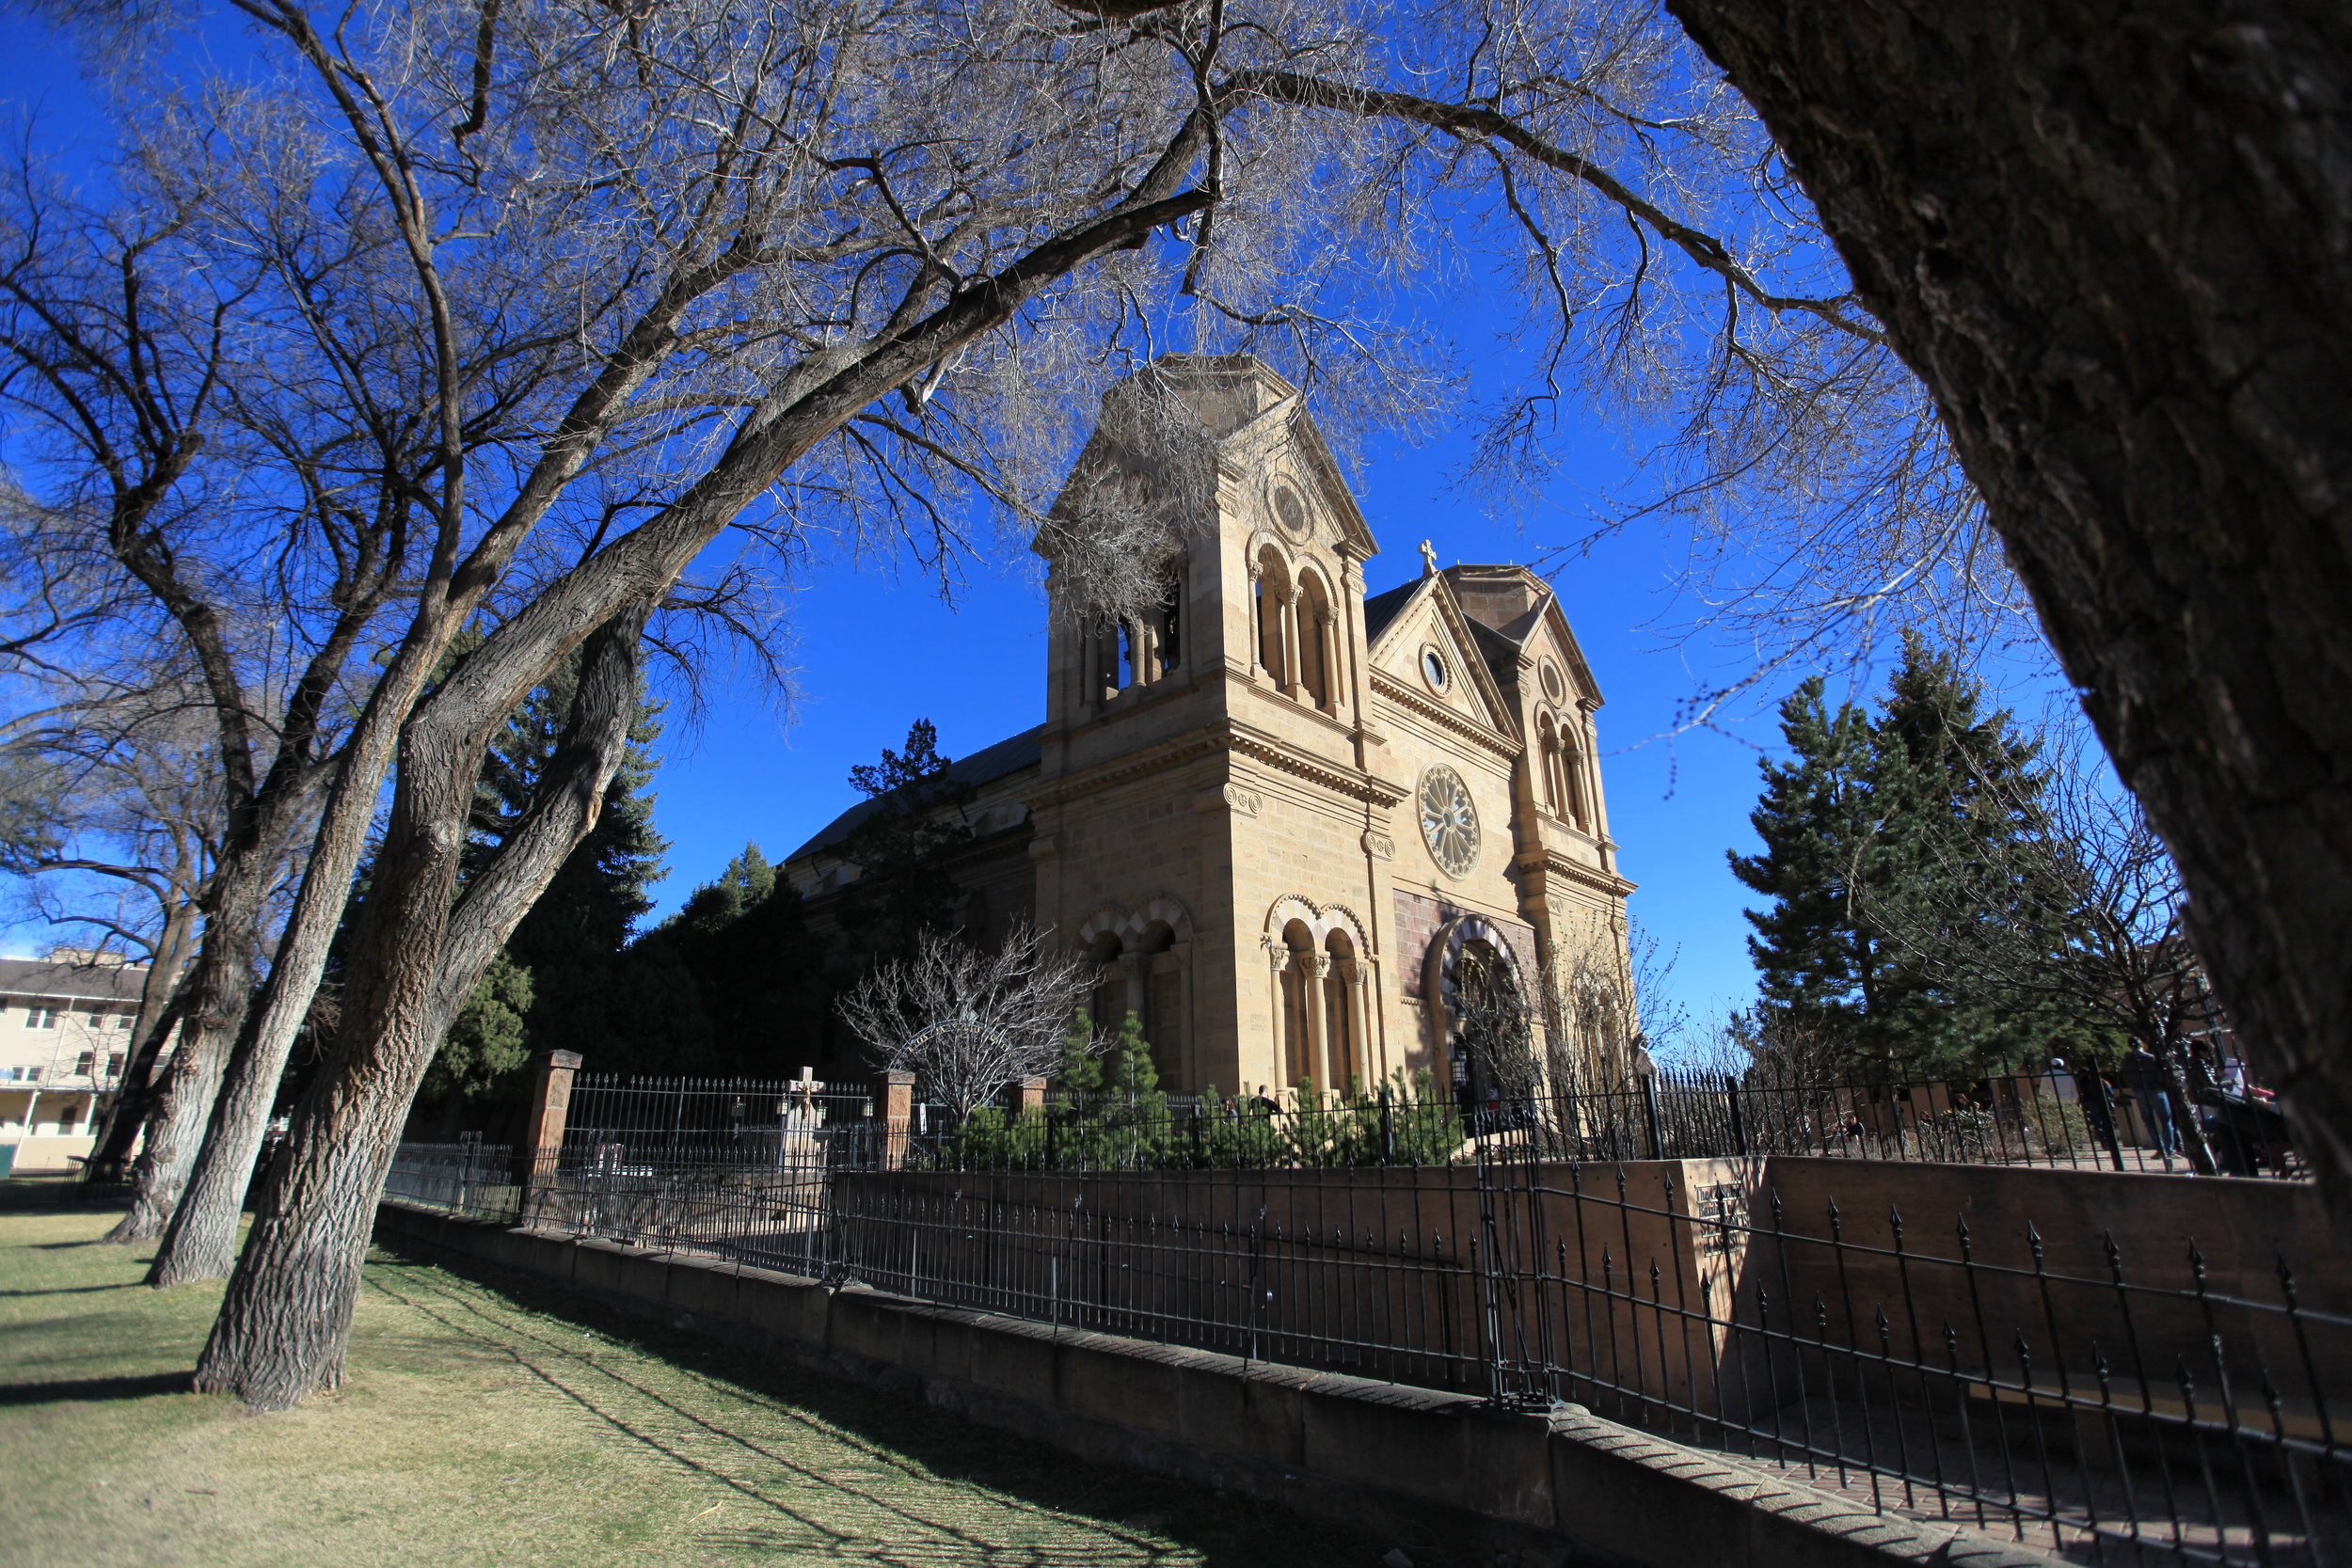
1167,624
1129,661
1273,589
1110,985
1548,761
1298,1046
1572,776
1314,622
1340,1025
1163,1001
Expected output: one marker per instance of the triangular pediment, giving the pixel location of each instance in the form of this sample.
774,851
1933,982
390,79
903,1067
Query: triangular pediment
1431,621
1190,421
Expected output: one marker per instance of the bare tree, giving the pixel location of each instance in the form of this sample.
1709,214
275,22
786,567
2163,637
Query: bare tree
111,826
1609,1006
970,1023
519,310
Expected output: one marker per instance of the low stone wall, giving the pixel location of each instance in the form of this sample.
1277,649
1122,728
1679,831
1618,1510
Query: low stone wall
1438,1473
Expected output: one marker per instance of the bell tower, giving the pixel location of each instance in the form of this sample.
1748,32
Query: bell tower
1188,749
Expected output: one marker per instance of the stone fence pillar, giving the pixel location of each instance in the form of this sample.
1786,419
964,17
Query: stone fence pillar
1031,1097
897,1098
543,1129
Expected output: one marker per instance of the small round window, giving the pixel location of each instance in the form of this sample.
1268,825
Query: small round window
1432,669
1553,686
1290,513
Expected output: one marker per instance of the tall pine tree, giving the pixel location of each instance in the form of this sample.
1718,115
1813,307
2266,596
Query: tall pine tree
1874,822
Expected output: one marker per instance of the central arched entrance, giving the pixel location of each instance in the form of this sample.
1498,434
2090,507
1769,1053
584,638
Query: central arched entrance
1482,1014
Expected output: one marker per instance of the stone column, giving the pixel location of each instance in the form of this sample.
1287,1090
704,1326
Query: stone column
1313,969
897,1094
1327,630
1256,627
1134,972
1278,956
543,1127
1187,1049
1291,685
1351,973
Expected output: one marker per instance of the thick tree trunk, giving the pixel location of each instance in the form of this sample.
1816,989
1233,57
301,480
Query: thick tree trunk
2115,239
414,958
201,1240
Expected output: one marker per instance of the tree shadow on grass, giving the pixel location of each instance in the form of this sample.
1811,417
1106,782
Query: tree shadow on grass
96,1388
74,1289
908,1445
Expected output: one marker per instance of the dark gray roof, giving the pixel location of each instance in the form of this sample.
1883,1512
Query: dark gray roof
1381,609
981,767
48,978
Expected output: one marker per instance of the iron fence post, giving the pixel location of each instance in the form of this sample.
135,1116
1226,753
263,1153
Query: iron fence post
1649,1111
1739,1121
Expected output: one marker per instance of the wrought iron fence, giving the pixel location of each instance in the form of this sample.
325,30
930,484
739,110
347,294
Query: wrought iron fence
2047,1118
473,1179
2110,1399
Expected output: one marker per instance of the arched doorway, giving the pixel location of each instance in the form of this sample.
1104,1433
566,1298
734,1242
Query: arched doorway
1483,1014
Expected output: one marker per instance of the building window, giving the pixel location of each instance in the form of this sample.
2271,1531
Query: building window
114,1064
122,1021
68,1118
41,1018
1434,670
83,1063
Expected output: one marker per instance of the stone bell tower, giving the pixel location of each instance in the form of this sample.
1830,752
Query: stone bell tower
1202,761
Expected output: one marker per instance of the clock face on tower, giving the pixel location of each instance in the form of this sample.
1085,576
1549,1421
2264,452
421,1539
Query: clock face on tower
1449,820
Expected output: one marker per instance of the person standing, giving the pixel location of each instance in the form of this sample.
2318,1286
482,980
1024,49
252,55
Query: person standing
2145,1076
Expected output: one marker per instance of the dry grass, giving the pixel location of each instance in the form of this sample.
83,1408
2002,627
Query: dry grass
489,1422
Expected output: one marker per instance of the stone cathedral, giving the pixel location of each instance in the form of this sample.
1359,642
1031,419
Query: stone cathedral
1287,821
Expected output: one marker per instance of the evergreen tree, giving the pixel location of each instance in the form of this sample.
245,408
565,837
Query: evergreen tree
1871,822
487,1045
763,987
1814,818
902,848
743,886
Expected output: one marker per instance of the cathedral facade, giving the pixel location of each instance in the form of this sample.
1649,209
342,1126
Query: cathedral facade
1290,823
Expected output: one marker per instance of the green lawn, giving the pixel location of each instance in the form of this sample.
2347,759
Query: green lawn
488,1422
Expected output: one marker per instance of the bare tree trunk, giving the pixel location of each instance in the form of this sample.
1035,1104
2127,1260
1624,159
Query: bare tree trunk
159,1010
201,1240
414,958
219,993
2115,239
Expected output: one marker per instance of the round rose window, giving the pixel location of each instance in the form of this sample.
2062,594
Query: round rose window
1449,820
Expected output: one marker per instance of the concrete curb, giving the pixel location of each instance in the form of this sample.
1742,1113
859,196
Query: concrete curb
1441,1473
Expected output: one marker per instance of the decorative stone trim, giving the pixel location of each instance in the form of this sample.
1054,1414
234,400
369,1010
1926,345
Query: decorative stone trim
1232,797
1405,696
1320,921
1163,909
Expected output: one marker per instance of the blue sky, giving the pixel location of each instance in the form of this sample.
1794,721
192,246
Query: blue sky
871,650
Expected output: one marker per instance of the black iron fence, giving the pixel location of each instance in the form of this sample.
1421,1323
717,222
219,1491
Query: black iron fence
2150,1386
2046,1118
472,1179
